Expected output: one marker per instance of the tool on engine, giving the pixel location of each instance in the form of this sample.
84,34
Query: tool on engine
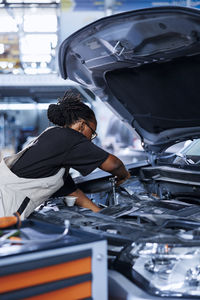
113,183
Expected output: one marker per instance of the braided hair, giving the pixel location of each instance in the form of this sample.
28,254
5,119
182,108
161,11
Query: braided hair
69,110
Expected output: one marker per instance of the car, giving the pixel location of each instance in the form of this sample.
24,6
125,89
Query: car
145,65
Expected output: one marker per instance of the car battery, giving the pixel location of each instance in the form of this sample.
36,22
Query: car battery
46,261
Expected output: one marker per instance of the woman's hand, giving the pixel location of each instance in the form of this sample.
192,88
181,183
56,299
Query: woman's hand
120,181
83,201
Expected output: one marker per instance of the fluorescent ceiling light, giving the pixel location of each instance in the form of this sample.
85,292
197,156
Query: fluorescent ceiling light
24,106
40,23
1,48
7,24
32,1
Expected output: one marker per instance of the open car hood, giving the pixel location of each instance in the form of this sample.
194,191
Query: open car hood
145,65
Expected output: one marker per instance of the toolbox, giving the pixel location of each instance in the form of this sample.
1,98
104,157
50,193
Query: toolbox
47,261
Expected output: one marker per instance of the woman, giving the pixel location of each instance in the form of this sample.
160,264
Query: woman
31,176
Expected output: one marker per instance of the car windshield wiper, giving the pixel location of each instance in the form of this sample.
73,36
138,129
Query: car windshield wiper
187,160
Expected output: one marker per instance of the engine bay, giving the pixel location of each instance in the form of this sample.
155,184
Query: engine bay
142,207
151,223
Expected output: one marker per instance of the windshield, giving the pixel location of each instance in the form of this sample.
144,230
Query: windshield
190,154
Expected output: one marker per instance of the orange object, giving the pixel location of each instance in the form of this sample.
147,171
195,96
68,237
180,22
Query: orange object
7,221
10,221
15,238
44,275
78,291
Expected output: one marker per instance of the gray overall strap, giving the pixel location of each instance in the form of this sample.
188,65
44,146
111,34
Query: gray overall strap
23,206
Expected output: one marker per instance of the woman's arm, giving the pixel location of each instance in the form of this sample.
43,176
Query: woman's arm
83,201
112,165
116,167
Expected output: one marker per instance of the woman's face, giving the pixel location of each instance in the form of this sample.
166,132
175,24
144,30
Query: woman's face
87,128
90,129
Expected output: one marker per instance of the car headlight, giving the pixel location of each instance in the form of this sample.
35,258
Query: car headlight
163,269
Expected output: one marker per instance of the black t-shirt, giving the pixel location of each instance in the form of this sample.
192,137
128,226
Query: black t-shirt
56,148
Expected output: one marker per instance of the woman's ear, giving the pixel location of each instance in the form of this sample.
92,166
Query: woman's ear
81,126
